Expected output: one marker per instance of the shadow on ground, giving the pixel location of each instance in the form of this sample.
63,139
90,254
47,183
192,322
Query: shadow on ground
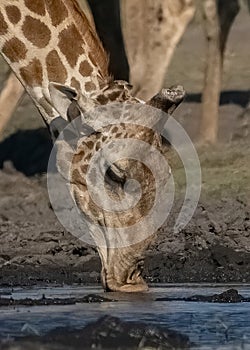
27,150
236,97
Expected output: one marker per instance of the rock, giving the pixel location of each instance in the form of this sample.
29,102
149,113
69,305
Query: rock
107,333
230,296
91,298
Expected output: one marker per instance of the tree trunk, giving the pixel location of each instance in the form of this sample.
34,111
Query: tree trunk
212,86
152,30
10,97
219,16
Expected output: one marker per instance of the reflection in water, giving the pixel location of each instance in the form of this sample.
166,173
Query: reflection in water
206,324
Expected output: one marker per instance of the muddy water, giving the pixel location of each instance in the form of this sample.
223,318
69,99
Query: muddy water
207,325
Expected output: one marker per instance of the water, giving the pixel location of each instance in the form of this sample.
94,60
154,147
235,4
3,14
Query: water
211,326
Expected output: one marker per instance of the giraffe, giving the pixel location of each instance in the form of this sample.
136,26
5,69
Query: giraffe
151,31
36,35
57,56
149,52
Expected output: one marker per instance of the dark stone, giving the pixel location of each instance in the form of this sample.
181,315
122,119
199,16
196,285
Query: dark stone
109,333
230,296
92,298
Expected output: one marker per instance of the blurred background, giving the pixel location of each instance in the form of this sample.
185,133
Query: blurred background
161,43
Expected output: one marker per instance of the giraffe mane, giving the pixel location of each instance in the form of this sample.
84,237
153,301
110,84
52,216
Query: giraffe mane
101,58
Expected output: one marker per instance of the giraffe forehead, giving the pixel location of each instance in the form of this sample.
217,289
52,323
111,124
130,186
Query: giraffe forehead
13,13
36,6
36,32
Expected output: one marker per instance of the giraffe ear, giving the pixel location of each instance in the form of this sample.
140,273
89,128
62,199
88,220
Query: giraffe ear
64,100
168,99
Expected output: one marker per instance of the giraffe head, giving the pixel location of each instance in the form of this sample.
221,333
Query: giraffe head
48,41
107,156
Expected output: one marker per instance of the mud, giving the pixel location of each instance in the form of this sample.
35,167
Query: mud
213,247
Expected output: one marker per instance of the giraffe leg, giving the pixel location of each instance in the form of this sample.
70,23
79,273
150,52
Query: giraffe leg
10,98
152,30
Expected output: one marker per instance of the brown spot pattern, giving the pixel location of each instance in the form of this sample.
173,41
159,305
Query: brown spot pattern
98,146
115,129
36,32
102,99
84,168
14,49
70,44
55,68
13,13
78,157
75,83
89,144
114,95
3,25
32,74
36,6
57,11
89,86
77,178
85,69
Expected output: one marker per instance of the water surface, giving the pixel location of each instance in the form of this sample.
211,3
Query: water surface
210,326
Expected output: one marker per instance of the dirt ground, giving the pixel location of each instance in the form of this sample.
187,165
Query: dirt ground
214,247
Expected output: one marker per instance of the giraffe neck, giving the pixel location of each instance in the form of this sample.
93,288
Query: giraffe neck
52,41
